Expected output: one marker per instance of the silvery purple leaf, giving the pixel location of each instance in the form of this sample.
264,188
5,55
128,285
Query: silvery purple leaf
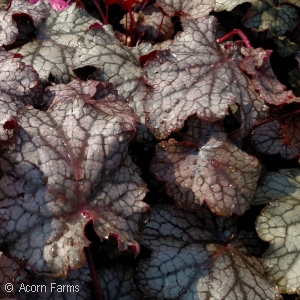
70,166
9,30
56,41
212,170
117,283
257,64
198,256
117,64
281,137
279,224
195,76
188,9
18,80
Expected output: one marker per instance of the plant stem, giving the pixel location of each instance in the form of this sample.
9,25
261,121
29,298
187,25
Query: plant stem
131,28
160,25
277,118
93,273
136,6
267,121
104,19
106,14
140,36
170,30
240,33
126,30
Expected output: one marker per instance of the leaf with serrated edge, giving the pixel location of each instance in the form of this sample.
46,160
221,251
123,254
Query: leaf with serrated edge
197,257
8,111
279,137
87,90
9,30
117,64
257,64
152,22
279,224
116,283
70,166
276,186
56,41
194,77
214,171
188,9
285,47
229,4
18,80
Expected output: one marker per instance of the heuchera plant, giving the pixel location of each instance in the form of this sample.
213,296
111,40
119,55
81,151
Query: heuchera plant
150,151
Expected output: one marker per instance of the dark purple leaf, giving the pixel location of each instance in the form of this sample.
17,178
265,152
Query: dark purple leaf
195,256
10,270
116,283
213,170
9,30
275,16
294,79
285,47
281,137
70,166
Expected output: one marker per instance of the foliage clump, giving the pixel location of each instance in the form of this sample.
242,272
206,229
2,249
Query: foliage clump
138,146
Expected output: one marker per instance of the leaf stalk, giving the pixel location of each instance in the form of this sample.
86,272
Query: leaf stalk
238,32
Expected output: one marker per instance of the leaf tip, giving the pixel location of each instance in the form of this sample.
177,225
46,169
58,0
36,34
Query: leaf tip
18,55
96,26
146,57
10,124
135,250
